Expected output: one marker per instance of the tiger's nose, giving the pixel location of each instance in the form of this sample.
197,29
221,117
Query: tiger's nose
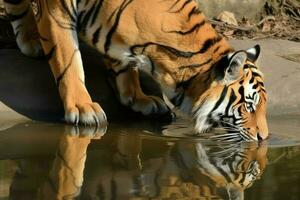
257,134
262,136
259,138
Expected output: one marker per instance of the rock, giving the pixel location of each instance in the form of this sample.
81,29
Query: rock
241,8
227,17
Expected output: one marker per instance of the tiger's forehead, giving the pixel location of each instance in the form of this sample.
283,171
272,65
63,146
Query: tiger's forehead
251,71
252,80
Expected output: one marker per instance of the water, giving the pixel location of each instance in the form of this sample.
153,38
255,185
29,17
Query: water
142,160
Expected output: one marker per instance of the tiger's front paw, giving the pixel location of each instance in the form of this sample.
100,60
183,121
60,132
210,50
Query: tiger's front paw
147,105
88,113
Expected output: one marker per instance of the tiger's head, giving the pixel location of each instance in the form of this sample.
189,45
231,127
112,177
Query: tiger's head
235,97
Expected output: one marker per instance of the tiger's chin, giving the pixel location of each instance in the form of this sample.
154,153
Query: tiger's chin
203,119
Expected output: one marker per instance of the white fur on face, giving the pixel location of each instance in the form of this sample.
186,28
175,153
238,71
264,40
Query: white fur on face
205,111
251,97
201,116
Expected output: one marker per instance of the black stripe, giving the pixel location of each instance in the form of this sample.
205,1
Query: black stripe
209,43
78,2
98,7
174,4
195,65
131,64
49,55
200,105
69,13
232,99
241,92
226,176
121,71
243,178
221,99
172,50
83,24
194,28
255,86
217,49
13,17
256,74
79,19
152,66
263,89
261,83
112,14
68,25
60,77
251,97
194,11
96,36
251,80
183,6
185,54
227,51
115,25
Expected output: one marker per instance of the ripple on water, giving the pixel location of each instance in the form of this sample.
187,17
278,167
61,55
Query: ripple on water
183,129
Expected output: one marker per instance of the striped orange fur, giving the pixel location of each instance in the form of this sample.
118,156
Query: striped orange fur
171,39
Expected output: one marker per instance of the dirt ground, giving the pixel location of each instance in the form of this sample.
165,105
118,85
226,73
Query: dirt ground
280,19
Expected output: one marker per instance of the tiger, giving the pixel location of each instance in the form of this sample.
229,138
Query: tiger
197,69
210,172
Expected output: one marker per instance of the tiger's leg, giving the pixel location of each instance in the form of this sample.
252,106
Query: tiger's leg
24,25
131,94
59,40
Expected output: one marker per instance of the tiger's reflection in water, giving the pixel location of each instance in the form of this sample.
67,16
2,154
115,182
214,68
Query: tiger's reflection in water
66,175
193,170
136,167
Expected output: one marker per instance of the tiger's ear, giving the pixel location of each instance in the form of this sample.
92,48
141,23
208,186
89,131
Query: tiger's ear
235,68
253,53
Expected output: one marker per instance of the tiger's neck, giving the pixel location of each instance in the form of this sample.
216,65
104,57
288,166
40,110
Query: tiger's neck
185,78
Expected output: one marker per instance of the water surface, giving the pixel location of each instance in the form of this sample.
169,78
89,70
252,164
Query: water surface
143,160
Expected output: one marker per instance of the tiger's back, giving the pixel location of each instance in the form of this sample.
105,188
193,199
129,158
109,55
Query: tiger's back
157,29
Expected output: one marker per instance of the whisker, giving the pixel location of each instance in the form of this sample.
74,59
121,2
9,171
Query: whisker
226,137
230,124
225,129
245,135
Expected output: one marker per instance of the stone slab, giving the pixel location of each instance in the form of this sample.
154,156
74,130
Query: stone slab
241,8
27,85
